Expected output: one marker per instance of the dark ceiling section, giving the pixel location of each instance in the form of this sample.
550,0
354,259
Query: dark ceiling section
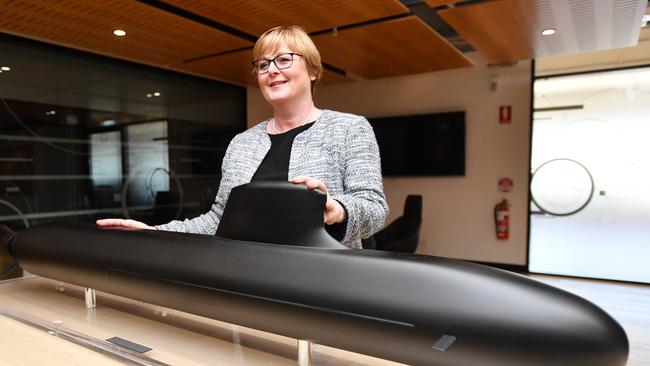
433,20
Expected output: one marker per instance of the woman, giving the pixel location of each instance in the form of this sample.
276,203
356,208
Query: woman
334,152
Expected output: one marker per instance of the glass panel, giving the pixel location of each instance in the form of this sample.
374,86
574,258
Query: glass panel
84,137
591,167
106,159
147,156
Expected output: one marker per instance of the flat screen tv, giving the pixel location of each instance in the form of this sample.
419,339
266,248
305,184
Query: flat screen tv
421,145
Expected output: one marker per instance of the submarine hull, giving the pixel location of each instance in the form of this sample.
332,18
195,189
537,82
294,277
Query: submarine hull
408,308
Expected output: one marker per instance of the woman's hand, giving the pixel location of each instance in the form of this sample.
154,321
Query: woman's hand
334,211
123,223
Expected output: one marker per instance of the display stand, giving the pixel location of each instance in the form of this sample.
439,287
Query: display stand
91,298
66,320
304,353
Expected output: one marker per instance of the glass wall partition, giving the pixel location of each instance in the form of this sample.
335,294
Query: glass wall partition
85,137
590,213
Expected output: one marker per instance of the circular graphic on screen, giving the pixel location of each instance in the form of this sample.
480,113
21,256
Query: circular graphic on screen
561,187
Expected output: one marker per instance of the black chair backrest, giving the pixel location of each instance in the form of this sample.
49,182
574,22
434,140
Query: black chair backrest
413,205
403,234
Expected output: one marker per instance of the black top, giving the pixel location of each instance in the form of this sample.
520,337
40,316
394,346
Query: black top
275,167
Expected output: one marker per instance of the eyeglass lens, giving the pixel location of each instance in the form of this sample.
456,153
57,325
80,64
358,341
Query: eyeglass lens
282,61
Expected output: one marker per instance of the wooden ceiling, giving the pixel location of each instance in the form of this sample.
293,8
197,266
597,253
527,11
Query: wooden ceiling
255,17
214,38
436,3
236,67
504,31
154,37
378,50
359,39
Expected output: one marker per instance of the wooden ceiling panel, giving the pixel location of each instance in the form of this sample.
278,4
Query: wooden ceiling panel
505,31
153,36
236,67
255,17
396,47
330,77
501,31
437,3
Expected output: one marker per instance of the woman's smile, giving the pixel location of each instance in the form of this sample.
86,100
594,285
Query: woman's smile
277,82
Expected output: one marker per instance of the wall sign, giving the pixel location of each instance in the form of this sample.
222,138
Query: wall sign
505,114
505,185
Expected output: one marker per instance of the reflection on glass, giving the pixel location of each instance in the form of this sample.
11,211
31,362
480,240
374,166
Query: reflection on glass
80,140
106,159
561,187
147,154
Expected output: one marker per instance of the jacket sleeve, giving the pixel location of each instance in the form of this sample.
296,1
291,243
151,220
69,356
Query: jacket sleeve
363,195
208,222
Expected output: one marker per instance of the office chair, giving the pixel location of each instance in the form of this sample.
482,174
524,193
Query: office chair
403,234
166,207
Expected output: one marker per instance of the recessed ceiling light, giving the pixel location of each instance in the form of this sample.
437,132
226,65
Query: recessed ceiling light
156,94
5,68
548,31
149,95
119,32
50,113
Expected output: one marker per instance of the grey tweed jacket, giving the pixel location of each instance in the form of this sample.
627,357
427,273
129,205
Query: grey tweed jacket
340,149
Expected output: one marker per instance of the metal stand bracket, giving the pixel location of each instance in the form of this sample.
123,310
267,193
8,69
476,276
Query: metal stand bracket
91,300
304,353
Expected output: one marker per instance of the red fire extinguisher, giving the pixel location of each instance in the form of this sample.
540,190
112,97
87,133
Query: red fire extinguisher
502,219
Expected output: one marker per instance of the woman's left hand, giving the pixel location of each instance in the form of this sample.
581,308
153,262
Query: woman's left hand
334,211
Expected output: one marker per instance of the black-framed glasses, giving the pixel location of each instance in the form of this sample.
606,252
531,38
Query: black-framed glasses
281,61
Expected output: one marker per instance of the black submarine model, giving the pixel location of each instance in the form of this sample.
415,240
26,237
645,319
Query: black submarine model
273,267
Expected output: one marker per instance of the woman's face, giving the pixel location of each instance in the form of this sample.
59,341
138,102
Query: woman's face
281,85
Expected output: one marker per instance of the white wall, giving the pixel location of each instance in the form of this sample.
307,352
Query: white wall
458,211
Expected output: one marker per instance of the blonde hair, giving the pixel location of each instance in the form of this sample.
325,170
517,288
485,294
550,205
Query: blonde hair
297,39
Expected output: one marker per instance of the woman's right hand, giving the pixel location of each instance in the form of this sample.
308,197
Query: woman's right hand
132,224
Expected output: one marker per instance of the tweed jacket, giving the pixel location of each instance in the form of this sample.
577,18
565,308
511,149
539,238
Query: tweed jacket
340,149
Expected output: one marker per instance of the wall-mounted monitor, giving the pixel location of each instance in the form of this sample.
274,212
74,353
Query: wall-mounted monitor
421,145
